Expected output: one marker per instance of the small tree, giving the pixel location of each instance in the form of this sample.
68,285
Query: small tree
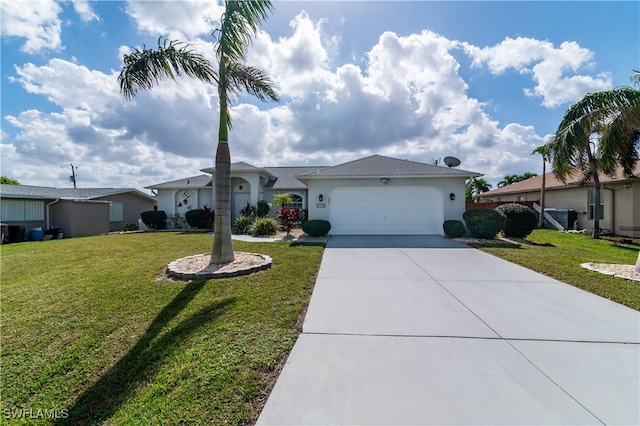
8,181
544,151
288,219
280,200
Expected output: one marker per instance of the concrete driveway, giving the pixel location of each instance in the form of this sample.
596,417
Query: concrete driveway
424,330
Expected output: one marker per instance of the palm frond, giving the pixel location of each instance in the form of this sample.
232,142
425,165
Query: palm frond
595,114
252,80
620,142
635,78
239,23
145,68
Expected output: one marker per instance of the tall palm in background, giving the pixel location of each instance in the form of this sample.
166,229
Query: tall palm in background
509,179
474,188
145,68
599,132
544,151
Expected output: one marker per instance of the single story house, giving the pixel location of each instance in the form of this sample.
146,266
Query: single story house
619,199
373,195
77,212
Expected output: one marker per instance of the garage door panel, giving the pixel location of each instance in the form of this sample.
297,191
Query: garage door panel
386,211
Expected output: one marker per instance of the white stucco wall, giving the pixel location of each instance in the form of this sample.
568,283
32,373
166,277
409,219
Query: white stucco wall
453,210
168,199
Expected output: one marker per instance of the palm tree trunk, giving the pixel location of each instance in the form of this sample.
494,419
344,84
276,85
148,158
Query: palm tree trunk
544,177
222,251
593,166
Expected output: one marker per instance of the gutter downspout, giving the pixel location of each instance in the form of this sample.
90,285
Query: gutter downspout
48,213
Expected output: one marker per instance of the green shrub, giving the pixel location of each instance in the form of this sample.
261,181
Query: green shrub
453,228
200,218
520,222
316,228
130,227
263,226
263,208
484,223
242,224
154,219
195,218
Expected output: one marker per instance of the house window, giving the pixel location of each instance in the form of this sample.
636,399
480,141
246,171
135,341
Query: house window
592,197
22,210
116,212
296,204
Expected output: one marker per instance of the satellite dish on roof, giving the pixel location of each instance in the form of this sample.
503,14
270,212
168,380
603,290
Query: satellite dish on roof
451,161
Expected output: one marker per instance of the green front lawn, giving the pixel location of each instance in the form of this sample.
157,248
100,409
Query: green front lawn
559,255
89,331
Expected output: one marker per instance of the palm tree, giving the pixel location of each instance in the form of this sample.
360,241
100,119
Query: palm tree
544,151
598,132
145,68
241,18
509,179
475,187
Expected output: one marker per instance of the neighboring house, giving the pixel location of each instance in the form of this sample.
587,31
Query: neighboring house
373,195
619,201
78,212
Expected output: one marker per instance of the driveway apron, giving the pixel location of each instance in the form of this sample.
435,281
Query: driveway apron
427,331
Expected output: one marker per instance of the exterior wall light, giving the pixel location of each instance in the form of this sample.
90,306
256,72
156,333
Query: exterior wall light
320,197
385,180
452,196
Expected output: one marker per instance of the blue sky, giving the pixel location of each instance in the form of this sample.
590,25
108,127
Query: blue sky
486,82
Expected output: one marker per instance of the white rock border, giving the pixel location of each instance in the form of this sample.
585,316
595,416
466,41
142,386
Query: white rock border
174,272
590,267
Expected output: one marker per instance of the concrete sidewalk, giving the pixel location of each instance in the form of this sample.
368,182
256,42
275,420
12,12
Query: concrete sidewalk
423,330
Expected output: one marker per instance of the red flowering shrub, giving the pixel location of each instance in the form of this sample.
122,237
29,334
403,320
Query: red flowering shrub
288,218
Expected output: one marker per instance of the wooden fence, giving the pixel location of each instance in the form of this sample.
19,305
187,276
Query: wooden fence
494,204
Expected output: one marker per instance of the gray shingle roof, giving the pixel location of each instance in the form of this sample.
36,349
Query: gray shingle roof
381,166
239,166
199,181
44,192
286,176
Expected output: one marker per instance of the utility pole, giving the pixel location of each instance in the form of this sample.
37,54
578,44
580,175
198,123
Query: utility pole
72,178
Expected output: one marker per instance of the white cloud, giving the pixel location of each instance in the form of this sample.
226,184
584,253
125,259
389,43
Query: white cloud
547,64
164,132
84,10
407,100
68,85
35,21
175,19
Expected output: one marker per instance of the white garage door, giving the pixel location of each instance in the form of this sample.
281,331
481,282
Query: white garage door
386,210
